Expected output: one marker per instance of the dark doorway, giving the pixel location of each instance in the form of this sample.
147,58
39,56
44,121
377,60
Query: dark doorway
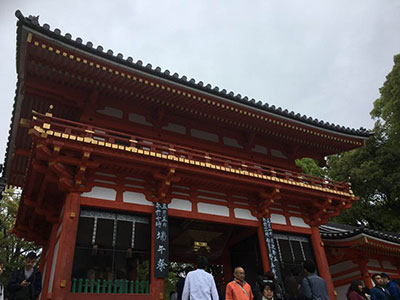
246,254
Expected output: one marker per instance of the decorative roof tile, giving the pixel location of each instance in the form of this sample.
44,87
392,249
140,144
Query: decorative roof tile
335,231
33,22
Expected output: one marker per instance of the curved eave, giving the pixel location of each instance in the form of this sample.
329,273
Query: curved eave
182,81
284,118
360,238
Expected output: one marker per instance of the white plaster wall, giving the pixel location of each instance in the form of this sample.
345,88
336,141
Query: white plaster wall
59,230
341,292
388,265
137,198
340,267
181,194
204,135
211,192
299,222
278,153
134,186
135,179
242,213
175,128
138,119
104,181
211,198
348,275
110,111
99,192
212,209
231,142
373,263
43,275
180,204
240,197
53,268
278,219
260,149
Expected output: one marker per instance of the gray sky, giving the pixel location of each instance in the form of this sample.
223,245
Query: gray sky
325,59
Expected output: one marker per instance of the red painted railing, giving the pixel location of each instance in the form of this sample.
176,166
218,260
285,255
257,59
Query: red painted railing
122,140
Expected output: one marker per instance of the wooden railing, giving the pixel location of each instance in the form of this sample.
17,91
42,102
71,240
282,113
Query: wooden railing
122,141
121,286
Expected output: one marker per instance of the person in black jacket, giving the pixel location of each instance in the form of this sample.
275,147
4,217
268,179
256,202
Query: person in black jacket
26,283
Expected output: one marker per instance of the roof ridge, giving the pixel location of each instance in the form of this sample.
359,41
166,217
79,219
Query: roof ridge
33,21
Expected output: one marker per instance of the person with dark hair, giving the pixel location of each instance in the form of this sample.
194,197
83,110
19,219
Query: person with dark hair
292,286
355,291
391,285
200,285
268,290
379,292
172,295
269,276
238,289
181,282
313,286
1,285
26,283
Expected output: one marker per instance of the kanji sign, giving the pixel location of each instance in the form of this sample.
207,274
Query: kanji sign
161,252
271,247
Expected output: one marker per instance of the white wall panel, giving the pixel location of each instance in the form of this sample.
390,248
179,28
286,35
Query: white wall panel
103,193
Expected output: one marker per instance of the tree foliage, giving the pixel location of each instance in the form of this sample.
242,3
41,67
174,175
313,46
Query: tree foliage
374,170
12,248
310,166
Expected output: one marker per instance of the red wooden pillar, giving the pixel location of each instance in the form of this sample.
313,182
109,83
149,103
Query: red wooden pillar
364,273
43,258
66,247
157,284
322,262
263,246
49,261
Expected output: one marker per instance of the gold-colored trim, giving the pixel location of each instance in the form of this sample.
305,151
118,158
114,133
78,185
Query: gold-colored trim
190,96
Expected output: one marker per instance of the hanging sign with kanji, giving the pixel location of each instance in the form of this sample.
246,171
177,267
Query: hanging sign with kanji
161,251
271,247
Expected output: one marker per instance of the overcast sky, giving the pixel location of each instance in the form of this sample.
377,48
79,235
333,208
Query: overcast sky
325,59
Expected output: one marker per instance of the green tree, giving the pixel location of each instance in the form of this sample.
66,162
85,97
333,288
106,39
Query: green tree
12,248
374,170
310,166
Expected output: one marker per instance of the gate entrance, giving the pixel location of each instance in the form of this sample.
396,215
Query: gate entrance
225,245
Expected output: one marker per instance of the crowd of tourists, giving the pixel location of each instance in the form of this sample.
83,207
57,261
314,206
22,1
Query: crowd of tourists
26,284
200,285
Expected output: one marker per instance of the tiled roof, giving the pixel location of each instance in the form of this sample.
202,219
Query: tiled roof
33,23
335,231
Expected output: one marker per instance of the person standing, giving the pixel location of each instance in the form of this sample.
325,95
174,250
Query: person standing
238,289
200,285
181,282
313,286
292,285
391,286
355,291
268,290
26,283
379,292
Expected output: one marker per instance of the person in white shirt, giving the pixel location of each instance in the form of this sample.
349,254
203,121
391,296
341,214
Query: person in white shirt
200,285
